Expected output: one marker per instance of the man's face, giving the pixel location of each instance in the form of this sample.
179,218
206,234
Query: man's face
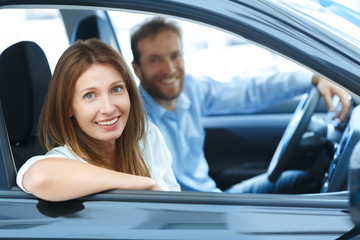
161,68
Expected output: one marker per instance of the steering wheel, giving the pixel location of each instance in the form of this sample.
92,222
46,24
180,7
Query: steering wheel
293,133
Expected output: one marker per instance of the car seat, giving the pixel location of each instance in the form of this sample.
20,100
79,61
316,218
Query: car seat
7,165
24,79
96,27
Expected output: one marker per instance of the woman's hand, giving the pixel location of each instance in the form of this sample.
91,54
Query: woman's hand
150,184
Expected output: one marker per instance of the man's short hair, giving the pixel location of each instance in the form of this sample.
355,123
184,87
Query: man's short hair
151,27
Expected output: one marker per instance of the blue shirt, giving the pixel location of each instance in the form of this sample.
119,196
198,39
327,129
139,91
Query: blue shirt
183,129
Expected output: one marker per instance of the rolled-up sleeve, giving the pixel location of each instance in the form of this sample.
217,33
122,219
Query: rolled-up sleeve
246,95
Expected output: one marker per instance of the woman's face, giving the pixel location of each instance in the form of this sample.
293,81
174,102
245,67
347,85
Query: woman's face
101,103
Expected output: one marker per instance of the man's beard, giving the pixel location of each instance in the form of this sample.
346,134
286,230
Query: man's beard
154,91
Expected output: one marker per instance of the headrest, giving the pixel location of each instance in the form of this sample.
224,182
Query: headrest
24,79
95,27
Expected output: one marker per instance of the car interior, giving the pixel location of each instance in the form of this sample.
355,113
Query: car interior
24,77
24,74
94,26
7,165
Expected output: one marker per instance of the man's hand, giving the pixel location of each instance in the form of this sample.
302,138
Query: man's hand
328,90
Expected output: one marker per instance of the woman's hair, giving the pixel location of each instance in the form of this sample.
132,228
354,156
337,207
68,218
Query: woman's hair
58,128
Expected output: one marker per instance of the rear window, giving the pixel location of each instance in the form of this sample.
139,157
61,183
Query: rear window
43,26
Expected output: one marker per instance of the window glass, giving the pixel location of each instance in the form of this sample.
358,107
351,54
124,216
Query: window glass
43,26
339,17
208,51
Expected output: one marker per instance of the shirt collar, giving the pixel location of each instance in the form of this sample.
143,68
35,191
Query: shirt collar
154,108
151,106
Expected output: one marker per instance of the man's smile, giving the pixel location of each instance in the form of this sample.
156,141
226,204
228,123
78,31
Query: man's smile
169,80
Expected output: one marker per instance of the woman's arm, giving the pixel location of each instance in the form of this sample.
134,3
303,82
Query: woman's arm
60,179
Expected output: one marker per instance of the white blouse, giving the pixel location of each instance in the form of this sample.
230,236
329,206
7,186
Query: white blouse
156,155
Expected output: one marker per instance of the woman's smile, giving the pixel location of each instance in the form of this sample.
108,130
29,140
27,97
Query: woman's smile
107,122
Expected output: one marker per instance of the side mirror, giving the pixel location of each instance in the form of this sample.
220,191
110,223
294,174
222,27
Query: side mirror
354,185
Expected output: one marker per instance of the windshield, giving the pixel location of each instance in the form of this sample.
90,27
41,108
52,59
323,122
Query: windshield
343,20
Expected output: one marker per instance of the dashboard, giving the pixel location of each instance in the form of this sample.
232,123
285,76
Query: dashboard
335,178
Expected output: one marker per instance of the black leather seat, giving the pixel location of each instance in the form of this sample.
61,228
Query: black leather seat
95,27
24,79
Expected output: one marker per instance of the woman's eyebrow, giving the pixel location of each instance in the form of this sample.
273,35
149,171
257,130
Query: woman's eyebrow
121,81
88,89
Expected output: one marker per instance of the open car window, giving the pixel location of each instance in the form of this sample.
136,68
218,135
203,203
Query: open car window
207,51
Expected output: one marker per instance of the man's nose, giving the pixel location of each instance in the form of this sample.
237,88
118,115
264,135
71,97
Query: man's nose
169,66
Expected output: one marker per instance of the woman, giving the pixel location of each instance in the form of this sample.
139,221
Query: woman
93,126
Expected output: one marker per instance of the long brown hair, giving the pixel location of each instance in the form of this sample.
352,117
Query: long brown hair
57,128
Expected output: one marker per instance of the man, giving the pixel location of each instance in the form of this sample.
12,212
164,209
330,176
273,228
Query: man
176,102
